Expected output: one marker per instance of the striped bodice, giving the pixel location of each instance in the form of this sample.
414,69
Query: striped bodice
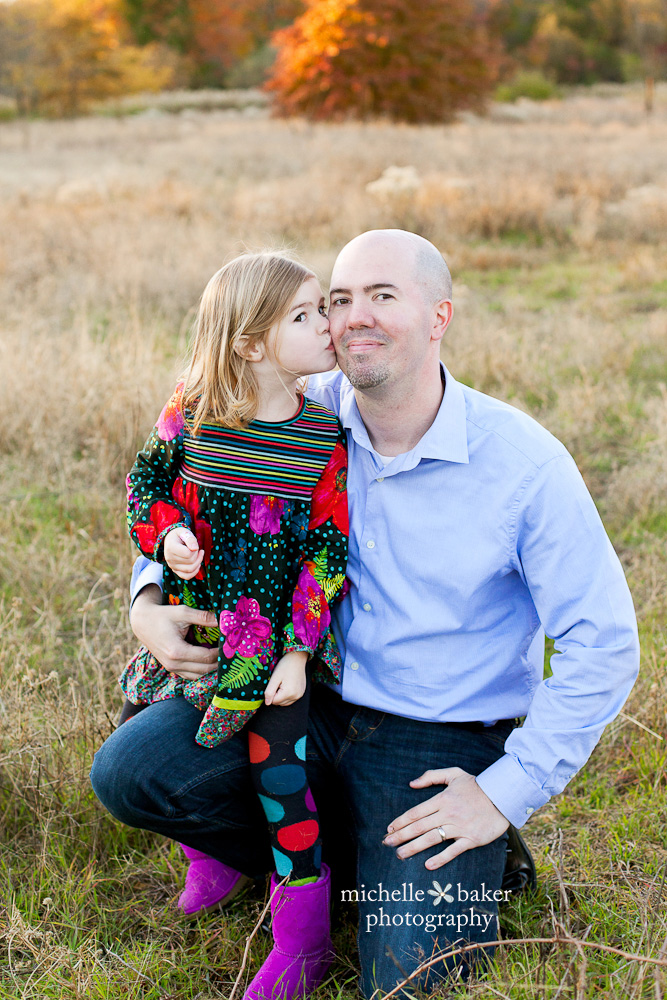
283,460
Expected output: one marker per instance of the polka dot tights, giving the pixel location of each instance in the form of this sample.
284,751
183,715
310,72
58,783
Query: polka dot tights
277,748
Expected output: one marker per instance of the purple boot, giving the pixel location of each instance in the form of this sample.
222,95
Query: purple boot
302,950
208,883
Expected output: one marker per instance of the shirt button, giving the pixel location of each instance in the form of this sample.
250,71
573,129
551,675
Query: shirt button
354,665
380,479
367,607
370,544
529,810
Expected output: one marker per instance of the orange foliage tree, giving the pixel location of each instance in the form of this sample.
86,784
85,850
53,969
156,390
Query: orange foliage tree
401,59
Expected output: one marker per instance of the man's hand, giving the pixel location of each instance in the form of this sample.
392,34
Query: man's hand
466,814
162,628
288,681
182,553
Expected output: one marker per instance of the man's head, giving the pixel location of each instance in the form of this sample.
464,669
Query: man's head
390,305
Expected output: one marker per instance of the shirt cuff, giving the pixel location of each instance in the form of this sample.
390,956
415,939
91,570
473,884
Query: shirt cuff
144,572
511,790
292,646
158,548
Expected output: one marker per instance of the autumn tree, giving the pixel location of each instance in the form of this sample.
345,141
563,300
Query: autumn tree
56,58
408,61
208,34
579,41
168,21
514,22
211,35
648,34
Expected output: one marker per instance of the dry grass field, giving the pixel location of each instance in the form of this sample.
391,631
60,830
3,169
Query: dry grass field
553,221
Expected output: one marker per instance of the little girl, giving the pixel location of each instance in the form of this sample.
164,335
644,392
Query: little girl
240,492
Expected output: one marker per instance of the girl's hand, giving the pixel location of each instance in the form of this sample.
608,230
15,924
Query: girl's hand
288,680
182,553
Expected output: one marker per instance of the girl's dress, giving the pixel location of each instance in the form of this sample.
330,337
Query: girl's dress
268,505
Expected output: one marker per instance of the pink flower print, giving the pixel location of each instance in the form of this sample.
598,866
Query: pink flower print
245,629
310,611
265,514
170,422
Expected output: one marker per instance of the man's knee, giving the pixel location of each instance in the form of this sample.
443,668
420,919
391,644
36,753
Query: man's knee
150,773
442,954
115,781
415,915
134,768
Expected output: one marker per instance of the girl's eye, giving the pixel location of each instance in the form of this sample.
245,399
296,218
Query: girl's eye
301,318
323,310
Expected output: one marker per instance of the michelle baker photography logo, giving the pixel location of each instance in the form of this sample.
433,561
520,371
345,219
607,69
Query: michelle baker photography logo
449,905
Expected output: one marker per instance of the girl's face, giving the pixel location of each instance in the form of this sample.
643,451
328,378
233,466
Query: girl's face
300,342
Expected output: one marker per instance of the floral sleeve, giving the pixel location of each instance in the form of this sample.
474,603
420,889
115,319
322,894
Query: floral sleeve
324,557
153,506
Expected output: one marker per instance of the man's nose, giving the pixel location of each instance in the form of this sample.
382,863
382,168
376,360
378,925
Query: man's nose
359,315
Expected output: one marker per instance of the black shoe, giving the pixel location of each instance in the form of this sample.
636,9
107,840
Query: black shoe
520,875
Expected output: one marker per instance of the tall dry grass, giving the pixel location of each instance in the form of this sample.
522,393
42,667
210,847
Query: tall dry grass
553,226
114,225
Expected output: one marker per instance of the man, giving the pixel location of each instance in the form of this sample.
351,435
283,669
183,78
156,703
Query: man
471,530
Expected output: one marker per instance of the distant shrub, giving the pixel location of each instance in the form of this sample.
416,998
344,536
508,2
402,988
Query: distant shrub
414,62
528,83
8,109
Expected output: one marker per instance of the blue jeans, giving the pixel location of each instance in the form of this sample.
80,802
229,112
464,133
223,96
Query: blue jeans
151,774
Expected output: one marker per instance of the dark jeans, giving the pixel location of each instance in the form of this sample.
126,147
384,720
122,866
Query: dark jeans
150,773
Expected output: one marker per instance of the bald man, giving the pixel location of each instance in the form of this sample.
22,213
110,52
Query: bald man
471,535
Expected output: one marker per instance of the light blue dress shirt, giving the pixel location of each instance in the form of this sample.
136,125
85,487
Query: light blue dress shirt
462,553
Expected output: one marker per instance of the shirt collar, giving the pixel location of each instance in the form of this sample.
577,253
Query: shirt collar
446,439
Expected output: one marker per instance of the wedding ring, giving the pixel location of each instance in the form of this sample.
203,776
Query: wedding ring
443,835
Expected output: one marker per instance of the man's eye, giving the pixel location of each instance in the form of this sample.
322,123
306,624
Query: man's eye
338,302
385,295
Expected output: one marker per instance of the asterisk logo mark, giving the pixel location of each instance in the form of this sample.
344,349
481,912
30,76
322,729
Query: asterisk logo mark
440,893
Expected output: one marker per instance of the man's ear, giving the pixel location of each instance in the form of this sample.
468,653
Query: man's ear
251,352
442,317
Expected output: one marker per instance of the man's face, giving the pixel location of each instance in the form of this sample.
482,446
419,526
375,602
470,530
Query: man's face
379,319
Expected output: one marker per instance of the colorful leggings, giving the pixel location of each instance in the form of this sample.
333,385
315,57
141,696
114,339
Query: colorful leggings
277,749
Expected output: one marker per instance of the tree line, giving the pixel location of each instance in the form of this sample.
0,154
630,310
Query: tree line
322,58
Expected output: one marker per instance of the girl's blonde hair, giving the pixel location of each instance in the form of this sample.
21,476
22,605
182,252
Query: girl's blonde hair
240,304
